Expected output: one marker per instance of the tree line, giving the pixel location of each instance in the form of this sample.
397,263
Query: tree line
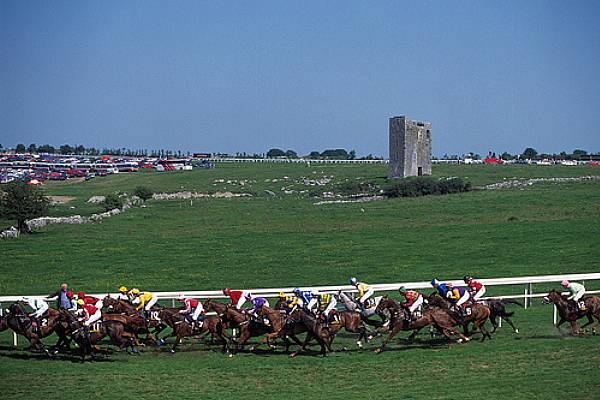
67,149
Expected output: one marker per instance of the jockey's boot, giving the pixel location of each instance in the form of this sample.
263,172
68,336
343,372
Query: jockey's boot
193,326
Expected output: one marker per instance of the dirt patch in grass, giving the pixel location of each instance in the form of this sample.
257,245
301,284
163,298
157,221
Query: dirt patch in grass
61,199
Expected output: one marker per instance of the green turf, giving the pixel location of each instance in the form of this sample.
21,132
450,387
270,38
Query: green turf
285,240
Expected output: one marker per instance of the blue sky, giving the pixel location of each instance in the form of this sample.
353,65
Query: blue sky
247,76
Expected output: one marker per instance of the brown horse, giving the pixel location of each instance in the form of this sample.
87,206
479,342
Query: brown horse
436,317
21,324
282,327
351,321
181,328
479,314
134,321
315,329
247,325
568,313
88,337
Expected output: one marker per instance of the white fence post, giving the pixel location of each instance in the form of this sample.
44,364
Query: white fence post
530,291
15,340
525,298
554,316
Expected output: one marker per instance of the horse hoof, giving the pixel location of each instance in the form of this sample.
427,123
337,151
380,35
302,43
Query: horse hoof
171,351
230,355
516,331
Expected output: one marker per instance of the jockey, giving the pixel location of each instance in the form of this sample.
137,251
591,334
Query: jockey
304,295
40,307
414,300
257,303
442,288
145,299
90,300
124,294
326,303
364,291
192,308
458,296
237,297
89,312
476,288
577,291
291,302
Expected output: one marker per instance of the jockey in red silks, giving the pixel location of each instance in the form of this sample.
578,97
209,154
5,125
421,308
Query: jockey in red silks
476,288
193,308
90,300
237,297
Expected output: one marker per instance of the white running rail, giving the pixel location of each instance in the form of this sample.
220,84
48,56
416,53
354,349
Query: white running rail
527,295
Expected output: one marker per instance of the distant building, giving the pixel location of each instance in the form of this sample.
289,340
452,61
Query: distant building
410,147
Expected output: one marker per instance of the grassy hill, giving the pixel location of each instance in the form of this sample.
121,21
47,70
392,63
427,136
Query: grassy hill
286,240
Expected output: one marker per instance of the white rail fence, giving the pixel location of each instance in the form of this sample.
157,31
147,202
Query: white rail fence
526,281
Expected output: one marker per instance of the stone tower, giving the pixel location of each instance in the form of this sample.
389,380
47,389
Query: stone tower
410,148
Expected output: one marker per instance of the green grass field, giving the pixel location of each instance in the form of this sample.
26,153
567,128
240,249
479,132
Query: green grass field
286,240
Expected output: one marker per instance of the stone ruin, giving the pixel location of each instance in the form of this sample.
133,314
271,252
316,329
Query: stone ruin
410,147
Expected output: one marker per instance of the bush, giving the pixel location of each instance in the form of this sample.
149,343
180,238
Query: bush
112,201
425,186
350,188
143,192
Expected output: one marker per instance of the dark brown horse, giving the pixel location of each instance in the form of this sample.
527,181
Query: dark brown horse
181,328
315,329
21,324
568,313
88,337
134,321
247,325
479,313
399,321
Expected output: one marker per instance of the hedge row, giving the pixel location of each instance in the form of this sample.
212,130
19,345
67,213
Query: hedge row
425,186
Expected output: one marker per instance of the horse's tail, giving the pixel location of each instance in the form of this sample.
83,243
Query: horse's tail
511,301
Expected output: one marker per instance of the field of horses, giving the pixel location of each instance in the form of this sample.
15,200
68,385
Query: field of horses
279,237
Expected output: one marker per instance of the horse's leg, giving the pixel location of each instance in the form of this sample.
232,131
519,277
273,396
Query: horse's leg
494,322
178,339
395,329
303,345
510,322
590,321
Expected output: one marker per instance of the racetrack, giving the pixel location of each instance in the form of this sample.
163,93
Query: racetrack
267,241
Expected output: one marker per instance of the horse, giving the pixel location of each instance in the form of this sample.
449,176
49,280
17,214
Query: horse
399,321
21,324
352,304
88,337
247,325
135,322
181,328
282,326
315,329
479,314
498,310
352,322
567,313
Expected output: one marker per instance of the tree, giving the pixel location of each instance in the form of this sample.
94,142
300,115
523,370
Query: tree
20,202
275,153
20,148
339,154
46,148
352,155
291,154
529,153
506,156
80,149
143,192
314,154
66,149
32,148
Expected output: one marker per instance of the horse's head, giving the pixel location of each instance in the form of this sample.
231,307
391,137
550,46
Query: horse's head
109,303
552,297
15,309
207,305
